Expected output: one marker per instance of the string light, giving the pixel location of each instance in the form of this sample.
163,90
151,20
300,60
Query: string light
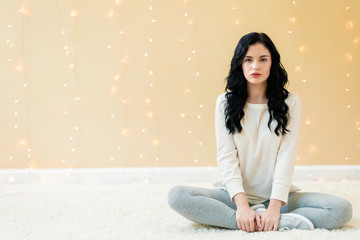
348,57
74,13
23,10
125,132
302,49
190,19
356,41
298,69
349,25
156,142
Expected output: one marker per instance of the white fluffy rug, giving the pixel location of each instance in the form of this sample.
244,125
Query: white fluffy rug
133,211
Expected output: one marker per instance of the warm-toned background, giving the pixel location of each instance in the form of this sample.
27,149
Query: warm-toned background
94,83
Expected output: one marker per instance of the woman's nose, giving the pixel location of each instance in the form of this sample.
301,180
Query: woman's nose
255,65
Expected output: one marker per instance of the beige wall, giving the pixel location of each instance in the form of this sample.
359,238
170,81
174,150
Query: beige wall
74,88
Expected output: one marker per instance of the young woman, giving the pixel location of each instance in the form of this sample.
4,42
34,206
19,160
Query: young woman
257,126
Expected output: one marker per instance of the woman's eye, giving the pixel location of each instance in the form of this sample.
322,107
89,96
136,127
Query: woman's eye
247,60
263,59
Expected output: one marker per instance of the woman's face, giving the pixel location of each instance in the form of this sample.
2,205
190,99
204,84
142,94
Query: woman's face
256,64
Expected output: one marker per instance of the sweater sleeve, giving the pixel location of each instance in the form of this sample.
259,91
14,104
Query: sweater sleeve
285,161
227,156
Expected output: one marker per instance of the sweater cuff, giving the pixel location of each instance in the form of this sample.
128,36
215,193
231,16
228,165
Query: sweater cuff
234,187
280,192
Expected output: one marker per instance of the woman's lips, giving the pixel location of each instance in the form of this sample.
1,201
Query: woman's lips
255,74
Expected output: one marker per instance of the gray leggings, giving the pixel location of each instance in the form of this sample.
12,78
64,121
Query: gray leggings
214,207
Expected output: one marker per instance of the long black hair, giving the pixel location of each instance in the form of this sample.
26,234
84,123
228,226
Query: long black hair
237,90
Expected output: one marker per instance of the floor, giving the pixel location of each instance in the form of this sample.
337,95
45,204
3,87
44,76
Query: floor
133,211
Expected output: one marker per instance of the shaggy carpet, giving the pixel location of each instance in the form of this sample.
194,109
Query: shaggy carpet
133,211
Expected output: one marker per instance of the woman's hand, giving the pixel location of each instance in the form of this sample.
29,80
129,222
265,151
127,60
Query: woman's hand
271,216
247,219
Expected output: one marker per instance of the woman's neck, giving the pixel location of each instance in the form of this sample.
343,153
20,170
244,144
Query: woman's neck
257,94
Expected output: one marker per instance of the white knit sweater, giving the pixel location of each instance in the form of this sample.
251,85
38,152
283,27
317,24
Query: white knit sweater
256,161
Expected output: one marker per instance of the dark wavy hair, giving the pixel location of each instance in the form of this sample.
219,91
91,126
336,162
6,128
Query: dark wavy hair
237,90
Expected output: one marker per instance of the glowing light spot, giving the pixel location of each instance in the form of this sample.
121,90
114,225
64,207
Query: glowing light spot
298,69
348,57
292,20
23,10
156,142
11,179
349,24
74,13
312,149
110,13
302,49
356,41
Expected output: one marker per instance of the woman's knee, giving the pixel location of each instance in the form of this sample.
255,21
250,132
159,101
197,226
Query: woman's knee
176,196
342,213
345,211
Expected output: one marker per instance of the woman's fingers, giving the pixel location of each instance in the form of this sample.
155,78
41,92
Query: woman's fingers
258,222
